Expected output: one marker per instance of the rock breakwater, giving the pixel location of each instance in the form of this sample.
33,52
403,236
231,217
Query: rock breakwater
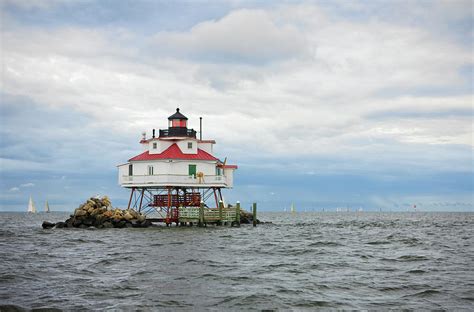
98,212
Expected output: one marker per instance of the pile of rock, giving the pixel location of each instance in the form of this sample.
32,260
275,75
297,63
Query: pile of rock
247,217
98,212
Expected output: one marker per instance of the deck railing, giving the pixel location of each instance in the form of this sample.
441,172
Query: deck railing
210,214
174,179
178,131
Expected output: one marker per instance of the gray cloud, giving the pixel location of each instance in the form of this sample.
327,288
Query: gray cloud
243,36
290,86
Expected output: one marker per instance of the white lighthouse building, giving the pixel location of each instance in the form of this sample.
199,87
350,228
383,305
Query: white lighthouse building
175,170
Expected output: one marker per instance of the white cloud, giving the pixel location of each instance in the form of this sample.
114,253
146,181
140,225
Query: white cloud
328,75
29,5
241,36
18,188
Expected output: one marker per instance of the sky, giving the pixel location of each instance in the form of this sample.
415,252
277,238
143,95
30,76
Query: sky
325,104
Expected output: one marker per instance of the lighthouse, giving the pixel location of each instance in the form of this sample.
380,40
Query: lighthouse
176,173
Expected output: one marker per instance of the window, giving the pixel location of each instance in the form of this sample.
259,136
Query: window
130,170
154,145
218,171
178,123
190,145
150,170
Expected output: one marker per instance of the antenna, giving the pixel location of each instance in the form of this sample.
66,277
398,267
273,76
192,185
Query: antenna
200,128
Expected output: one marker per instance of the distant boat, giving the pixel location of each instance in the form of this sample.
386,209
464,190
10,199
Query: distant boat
292,209
31,206
46,207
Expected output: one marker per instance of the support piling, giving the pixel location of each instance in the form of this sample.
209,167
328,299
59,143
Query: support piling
221,207
201,215
254,214
237,214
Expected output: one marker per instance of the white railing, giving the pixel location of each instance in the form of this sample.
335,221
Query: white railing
167,179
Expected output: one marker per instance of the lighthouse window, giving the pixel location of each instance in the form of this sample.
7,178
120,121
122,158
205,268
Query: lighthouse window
154,145
150,170
190,145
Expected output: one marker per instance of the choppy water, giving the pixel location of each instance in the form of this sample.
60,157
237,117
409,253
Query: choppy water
302,262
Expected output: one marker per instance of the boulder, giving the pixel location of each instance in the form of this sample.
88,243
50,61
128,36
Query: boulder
76,222
88,221
95,212
108,225
146,223
80,213
120,224
246,217
128,216
108,214
69,222
48,225
60,225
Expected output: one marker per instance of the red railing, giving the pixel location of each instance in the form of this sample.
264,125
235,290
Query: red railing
187,200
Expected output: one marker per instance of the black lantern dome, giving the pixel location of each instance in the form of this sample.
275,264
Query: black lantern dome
178,127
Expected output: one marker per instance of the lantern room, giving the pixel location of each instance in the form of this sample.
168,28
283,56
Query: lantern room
177,120
177,127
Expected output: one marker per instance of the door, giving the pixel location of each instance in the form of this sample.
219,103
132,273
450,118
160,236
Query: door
192,170
130,170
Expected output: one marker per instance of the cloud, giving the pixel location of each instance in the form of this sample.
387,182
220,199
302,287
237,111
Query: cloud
30,5
242,36
18,188
307,88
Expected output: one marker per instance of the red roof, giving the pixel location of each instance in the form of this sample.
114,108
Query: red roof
207,141
227,166
174,152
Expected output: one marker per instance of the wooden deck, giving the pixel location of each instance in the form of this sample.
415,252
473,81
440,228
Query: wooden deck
191,214
202,215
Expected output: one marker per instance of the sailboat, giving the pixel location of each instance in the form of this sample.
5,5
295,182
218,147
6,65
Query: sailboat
31,206
46,207
292,209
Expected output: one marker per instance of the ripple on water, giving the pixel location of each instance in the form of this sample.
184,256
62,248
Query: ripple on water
417,271
407,258
303,262
424,294
324,244
378,243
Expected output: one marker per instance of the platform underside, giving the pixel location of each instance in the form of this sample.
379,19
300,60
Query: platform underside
182,204
165,186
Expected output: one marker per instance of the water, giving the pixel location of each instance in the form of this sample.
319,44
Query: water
302,262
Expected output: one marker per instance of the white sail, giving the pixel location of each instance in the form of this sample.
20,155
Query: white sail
31,206
293,210
46,207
